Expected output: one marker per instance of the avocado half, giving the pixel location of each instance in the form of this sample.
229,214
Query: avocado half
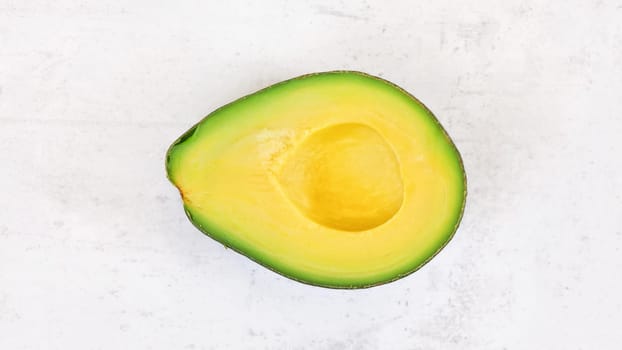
336,179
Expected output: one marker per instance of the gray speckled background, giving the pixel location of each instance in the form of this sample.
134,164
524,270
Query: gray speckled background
95,250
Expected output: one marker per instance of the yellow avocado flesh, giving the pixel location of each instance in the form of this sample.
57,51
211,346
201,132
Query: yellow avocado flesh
336,179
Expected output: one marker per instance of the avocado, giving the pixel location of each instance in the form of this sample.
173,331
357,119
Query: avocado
337,179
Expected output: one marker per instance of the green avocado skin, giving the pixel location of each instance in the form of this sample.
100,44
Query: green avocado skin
222,237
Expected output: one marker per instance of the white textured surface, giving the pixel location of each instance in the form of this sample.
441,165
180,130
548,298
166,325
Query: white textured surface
95,250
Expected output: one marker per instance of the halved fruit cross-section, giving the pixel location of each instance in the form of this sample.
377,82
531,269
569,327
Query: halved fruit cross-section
336,179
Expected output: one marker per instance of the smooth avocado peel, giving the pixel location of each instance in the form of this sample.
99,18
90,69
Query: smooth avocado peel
337,179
